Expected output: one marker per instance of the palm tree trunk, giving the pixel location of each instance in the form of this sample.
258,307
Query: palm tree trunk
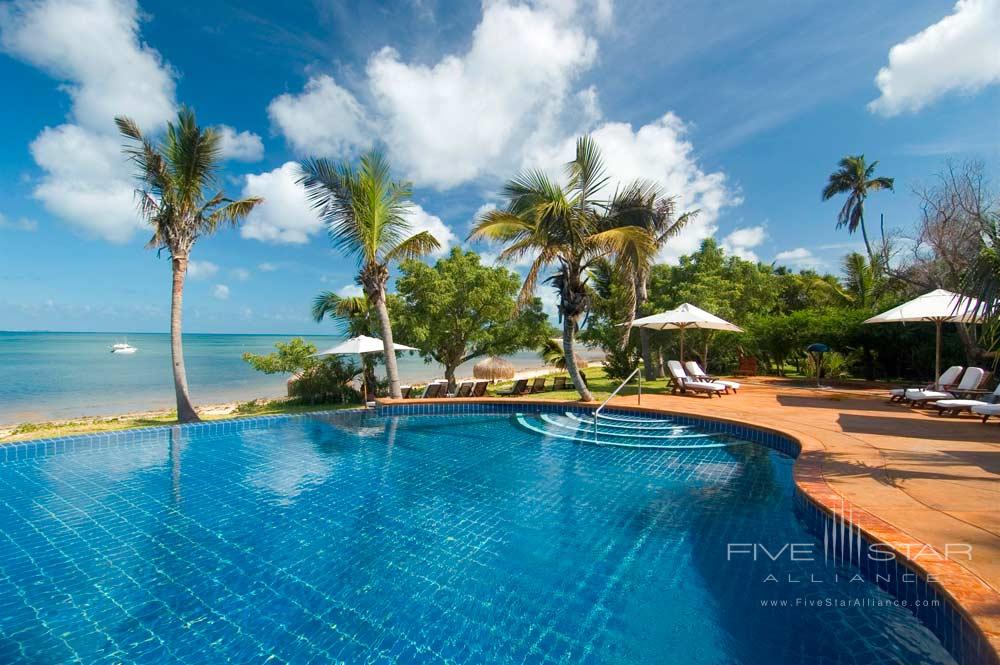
185,410
569,329
868,247
387,345
650,366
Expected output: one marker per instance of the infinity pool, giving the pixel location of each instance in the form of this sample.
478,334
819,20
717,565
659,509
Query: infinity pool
438,539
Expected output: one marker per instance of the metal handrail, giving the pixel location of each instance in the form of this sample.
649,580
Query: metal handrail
597,411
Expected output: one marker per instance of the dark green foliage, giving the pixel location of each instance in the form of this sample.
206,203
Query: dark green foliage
316,380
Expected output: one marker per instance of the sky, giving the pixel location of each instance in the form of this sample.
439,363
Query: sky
740,110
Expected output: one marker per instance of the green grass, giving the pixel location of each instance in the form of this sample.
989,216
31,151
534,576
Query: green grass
600,385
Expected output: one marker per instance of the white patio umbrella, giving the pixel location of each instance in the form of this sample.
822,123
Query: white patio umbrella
359,346
939,307
683,317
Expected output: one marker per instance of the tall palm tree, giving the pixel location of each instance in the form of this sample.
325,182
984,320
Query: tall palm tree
568,227
176,175
856,178
365,212
357,316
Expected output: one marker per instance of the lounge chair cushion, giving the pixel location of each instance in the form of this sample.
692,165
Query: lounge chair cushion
958,403
925,395
704,386
987,409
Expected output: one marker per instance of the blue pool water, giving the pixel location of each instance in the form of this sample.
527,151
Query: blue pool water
439,539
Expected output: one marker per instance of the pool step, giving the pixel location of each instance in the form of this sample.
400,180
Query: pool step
647,425
631,432
568,429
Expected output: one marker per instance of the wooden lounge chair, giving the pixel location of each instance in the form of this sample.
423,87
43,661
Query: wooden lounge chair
682,383
747,366
947,380
405,391
465,389
538,385
972,379
480,388
558,383
433,390
695,371
986,410
520,387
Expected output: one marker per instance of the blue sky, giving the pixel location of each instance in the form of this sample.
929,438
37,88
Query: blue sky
740,109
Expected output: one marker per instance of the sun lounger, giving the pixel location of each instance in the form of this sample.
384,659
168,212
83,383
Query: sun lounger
480,388
695,372
538,385
520,387
682,383
465,389
945,381
433,390
971,380
986,410
558,383
956,406
405,391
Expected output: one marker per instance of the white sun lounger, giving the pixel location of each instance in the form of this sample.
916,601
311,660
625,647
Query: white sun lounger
986,410
971,380
683,383
945,381
695,372
956,406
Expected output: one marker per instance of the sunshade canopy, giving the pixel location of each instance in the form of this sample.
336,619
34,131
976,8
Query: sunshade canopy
938,305
682,317
359,345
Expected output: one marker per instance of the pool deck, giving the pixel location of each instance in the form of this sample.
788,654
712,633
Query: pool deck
906,477
920,479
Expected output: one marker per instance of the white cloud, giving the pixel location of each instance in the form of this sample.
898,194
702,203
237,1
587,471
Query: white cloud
959,53
799,257
94,48
470,113
240,146
350,291
658,151
21,224
421,220
266,267
201,269
220,292
325,119
86,181
241,274
286,216
742,241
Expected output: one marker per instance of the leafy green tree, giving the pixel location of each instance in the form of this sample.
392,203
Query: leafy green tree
315,379
856,178
177,177
460,309
366,216
288,358
567,227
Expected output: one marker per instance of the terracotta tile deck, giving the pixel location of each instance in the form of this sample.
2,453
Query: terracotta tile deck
921,479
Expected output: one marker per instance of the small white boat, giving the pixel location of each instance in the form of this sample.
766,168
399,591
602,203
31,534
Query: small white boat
123,347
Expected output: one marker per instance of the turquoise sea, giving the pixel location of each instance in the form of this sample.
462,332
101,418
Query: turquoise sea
46,376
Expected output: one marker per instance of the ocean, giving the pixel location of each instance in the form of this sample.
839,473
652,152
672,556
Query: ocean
47,376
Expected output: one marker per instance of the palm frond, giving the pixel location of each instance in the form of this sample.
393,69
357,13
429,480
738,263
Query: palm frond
417,245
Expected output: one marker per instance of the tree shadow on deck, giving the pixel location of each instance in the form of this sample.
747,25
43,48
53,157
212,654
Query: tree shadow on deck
937,465
932,428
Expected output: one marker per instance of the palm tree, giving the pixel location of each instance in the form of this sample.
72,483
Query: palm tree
175,176
855,178
568,227
357,316
365,213
661,225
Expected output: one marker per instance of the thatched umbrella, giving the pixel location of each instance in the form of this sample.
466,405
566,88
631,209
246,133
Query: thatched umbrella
493,368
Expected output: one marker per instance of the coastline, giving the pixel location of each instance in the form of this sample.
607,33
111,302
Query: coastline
24,430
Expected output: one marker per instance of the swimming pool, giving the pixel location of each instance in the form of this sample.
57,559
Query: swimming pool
426,538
